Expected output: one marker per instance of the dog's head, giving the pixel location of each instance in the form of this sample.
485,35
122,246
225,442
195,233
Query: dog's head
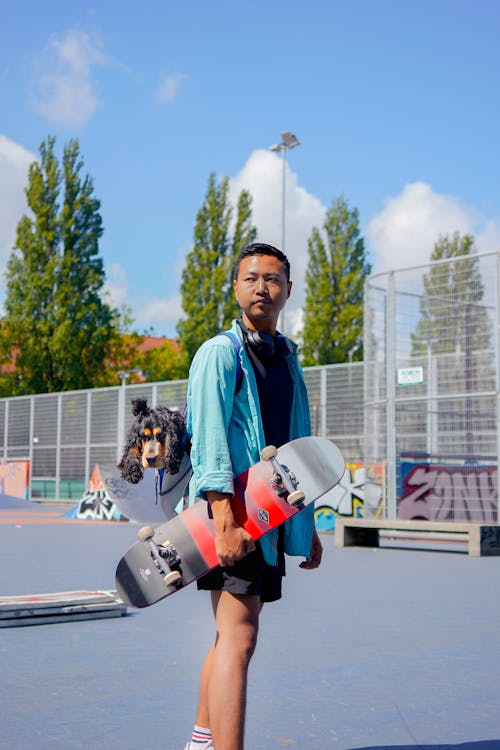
154,441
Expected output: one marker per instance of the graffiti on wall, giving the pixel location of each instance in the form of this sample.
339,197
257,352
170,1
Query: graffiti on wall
350,497
452,493
96,504
14,478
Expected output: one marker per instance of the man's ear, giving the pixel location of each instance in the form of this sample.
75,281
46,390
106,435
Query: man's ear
289,289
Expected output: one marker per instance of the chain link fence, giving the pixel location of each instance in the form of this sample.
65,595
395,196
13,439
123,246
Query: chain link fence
64,435
420,414
431,390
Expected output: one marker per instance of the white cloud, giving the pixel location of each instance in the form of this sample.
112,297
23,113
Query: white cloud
169,87
64,89
405,231
262,176
163,312
14,164
116,285
488,238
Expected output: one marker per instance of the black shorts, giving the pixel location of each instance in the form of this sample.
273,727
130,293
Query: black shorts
248,576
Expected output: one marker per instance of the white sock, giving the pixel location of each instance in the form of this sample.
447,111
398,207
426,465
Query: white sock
201,739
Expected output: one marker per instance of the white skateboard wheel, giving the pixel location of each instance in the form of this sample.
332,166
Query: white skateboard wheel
172,578
268,452
147,532
294,498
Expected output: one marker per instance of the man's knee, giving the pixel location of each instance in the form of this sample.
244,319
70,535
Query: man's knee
237,622
241,641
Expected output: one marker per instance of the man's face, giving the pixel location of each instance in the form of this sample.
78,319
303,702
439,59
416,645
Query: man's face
261,291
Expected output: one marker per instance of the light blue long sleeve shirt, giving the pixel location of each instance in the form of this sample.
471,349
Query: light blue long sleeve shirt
227,433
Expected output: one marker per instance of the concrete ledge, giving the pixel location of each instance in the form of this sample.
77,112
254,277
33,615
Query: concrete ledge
65,606
482,539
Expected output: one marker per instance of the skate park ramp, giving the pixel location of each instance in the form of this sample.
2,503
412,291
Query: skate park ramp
152,500
8,502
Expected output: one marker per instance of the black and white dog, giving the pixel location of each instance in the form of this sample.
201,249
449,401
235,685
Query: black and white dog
156,440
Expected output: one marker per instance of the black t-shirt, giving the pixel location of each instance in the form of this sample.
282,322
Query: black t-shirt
275,387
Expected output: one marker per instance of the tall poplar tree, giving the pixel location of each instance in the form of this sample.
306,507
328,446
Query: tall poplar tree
57,328
452,316
336,271
206,288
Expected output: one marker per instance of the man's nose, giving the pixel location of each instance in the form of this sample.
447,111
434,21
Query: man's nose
262,286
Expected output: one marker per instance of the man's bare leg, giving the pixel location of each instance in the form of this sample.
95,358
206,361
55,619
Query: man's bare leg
202,718
223,681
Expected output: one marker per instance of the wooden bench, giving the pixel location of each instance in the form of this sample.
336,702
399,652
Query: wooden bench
482,539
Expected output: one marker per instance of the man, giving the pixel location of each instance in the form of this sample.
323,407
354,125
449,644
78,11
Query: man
230,423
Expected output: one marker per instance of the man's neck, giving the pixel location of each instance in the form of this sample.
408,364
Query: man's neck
263,326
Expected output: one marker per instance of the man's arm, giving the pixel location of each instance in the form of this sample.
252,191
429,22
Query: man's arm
232,542
314,559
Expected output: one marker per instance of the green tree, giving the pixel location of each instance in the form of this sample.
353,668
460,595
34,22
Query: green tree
57,327
206,288
336,271
452,318
165,362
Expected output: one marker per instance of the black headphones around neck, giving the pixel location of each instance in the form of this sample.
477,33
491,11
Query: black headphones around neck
263,343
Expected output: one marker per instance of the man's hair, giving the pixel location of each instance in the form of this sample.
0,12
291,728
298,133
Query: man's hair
261,248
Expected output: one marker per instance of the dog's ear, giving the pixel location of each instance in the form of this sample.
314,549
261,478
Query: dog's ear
140,407
130,467
130,464
176,427
180,422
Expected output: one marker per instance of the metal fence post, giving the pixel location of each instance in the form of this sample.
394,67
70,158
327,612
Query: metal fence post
120,421
58,446
6,430
87,436
497,374
323,401
390,364
31,436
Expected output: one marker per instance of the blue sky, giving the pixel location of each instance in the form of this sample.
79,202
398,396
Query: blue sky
395,103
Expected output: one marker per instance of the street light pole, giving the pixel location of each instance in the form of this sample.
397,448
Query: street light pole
288,141
283,200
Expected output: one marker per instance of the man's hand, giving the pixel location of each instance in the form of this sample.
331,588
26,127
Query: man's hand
232,542
315,555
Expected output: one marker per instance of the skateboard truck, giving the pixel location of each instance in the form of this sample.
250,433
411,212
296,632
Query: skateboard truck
283,479
164,555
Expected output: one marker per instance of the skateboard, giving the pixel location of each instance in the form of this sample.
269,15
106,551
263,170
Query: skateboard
279,486
154,498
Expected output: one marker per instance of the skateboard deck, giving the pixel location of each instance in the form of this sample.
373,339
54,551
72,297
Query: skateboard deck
154,498
270,492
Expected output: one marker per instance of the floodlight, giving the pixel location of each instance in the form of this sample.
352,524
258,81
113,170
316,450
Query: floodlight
289,139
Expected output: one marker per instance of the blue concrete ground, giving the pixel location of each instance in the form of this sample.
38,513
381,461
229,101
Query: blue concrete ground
377,649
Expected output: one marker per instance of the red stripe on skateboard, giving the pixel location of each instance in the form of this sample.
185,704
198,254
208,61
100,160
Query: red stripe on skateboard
259,496
201,534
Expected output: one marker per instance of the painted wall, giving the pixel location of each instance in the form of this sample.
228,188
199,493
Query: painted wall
349,497
96,504
446,492
14,478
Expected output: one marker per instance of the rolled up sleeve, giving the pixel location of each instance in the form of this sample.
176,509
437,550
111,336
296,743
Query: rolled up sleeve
211,388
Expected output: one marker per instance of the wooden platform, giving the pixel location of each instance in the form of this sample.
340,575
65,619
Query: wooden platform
480,539
65,606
